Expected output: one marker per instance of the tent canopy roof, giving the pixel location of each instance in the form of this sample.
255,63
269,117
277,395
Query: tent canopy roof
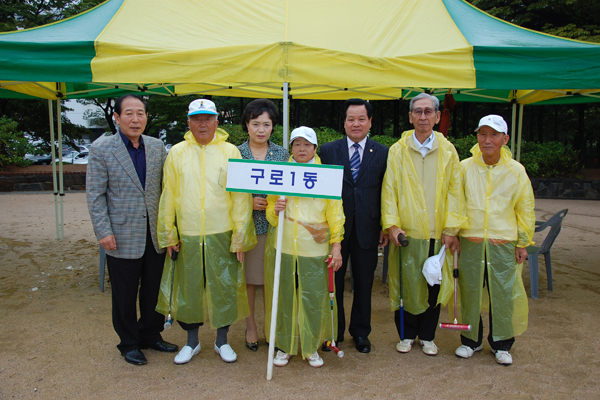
324,49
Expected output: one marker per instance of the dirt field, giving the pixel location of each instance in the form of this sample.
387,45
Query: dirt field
57,340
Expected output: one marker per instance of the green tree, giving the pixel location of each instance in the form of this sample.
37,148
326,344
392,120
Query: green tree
13,145
574,19
24,14
31,116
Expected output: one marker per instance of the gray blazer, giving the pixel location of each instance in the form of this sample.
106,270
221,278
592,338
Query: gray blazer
117,202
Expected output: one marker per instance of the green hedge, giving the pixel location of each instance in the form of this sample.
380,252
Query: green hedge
541,160
551,160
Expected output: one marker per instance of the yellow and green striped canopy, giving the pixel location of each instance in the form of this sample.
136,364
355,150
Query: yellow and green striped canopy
324,49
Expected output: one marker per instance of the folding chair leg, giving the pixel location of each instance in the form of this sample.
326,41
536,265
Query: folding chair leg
548,269
533,276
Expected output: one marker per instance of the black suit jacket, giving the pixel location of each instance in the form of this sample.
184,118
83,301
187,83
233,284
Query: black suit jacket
362,199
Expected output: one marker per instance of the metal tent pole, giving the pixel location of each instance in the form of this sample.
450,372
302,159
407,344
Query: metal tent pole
275,304
60,168
286,114
512,129
53,158
277,272
520,132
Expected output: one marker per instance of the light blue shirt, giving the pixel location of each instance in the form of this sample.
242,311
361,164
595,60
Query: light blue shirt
426,145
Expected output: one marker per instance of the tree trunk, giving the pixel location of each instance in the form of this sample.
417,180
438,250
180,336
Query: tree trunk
580,142
455,134
396,131
379,119
465,116
241,108
332,119
555,123
540,124
108,109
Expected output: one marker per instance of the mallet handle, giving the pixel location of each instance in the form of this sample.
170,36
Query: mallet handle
402,240
330,268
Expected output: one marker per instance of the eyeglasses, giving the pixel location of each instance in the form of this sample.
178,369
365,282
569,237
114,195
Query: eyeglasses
429,112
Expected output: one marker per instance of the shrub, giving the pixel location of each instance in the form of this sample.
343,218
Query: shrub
541,160
388,141
464,145
237,136
550,160
13,145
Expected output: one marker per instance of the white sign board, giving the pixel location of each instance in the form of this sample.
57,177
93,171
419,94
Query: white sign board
285,178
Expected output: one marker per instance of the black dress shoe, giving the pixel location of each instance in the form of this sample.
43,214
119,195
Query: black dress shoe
339,339
363,344
161,345
253,346
135,357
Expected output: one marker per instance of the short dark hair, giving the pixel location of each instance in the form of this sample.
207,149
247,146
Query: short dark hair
358,102
119,102
255,108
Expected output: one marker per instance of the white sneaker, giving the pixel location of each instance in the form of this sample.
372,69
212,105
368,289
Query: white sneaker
503,357
404,346
429,347
466,351
315,360
226,352
281,359
186,354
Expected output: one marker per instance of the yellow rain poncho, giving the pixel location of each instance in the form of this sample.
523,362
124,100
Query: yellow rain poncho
403,204
196,209
311,226
500,202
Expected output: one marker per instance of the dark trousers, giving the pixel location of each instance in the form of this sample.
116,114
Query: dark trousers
496,345
364,263
125,277
422,325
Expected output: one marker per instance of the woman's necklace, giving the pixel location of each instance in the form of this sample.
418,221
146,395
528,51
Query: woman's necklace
259,156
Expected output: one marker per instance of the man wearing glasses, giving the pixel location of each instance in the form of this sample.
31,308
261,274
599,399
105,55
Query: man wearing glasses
421,198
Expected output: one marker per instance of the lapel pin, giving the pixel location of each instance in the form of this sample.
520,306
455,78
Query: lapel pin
371,150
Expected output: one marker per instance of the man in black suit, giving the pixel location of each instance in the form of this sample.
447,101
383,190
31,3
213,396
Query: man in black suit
364,162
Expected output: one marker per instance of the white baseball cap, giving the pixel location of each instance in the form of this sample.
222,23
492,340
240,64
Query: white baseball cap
495,122
306,133
202,106
432,268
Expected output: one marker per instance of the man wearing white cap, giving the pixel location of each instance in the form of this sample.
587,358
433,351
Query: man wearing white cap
211,229
499,205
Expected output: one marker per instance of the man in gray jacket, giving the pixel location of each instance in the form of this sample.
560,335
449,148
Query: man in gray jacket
123,187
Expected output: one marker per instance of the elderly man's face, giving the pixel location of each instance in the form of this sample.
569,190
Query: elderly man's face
357,123
203,127
133,118
423,116
490,143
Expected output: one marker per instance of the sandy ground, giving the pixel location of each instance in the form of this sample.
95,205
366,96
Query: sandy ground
57,340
